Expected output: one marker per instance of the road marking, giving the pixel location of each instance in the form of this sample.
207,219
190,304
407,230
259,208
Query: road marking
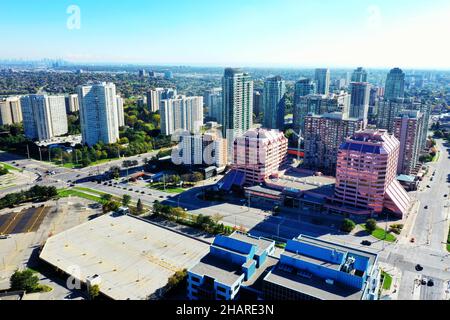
37,218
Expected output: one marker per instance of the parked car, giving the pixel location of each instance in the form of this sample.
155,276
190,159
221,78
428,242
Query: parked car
419,268
366,243
430,283
4,237
426,207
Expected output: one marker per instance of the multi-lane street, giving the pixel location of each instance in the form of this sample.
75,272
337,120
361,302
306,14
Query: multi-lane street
430,234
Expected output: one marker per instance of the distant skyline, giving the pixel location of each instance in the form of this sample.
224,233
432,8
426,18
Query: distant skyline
410,34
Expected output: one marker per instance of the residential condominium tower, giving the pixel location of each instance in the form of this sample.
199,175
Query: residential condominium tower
214,105
181,113
320,104
155,96
323,136
359,105
44,117
322,78
98,113
359,75
237,91
303,87
10,111
120,111
395,85
408,130
72,104
388,110
274,103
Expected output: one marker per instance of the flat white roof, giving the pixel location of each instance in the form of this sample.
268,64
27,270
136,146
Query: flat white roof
134,258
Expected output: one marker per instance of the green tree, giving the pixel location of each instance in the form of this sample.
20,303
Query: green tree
177,278
197,177
25,280
348,225
126,199
107,197
94,291
179,213
371,225
110,206
140,207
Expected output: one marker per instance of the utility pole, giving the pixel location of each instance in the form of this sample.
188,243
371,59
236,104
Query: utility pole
40,154
28,151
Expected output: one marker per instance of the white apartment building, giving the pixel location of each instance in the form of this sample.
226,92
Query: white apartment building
181,113
120,111
72,104
44,117
98,113
155,96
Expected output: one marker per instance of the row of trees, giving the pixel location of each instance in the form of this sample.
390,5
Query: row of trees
349,225
111,205
208,224
36,193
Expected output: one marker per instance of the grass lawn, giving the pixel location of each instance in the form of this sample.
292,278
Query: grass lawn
89,190
74,193
387,280
169,189
381,234
9,167
436,157
71,165
448,241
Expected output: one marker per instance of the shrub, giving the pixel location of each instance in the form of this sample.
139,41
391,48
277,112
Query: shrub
25,280
348,225
371,225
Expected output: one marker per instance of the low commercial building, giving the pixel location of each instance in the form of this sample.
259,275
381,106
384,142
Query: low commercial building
313,269
232,266
410,183
297,189
129,258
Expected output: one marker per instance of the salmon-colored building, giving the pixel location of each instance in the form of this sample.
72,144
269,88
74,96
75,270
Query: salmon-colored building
366,179
259,153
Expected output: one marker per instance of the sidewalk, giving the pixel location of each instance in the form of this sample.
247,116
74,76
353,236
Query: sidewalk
395,273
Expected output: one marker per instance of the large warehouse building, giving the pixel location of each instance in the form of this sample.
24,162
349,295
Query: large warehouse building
130,258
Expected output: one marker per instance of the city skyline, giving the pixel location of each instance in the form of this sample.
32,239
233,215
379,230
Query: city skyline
210,33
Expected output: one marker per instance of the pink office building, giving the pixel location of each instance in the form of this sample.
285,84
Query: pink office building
366,180
259,153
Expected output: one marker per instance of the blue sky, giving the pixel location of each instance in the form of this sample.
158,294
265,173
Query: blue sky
374,33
